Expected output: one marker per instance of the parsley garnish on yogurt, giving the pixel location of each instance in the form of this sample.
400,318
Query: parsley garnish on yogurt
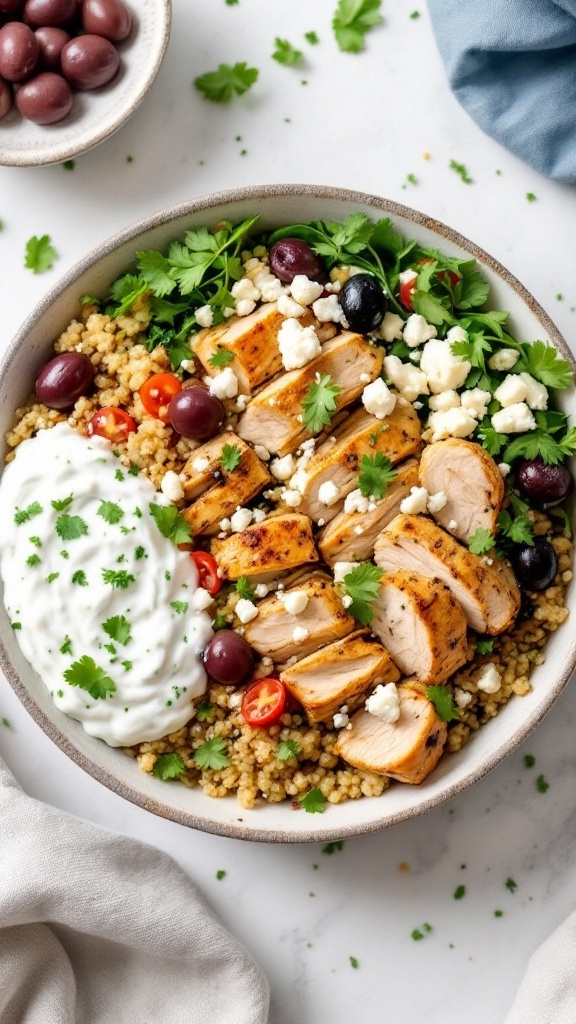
86,674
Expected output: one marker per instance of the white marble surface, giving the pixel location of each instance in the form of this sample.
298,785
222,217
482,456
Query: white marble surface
363,122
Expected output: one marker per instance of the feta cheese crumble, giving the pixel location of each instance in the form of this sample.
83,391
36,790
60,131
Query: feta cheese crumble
391,327
289,307
342,569
224,384
204,316
377,399
489,680
417,330
241,519
452,423
300,634
504,359
171,486
415,502
304,290
514,419
444,370
297,344
384,703
295,602
328,493
436,502
246,610
283,469
409,380
356,502
328,310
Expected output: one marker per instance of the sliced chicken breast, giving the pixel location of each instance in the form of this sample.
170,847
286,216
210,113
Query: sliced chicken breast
421,624
408,750
339,674
204,462
484,587
274,416
338,462
279,542
471,481
280,635
218,492
253,341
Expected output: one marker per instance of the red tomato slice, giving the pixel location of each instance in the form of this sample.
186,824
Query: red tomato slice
156,393
207,567
114,424
264,702
406,290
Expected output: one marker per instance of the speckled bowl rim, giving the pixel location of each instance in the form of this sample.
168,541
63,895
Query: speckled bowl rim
319,833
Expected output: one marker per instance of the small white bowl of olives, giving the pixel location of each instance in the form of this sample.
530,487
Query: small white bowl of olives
73,71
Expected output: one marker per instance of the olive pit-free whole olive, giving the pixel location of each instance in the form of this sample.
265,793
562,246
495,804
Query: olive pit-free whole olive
292,256
6,98
51,42
45,99
363,302
195,413
544,485
89,61
39,13
64,379
108,18
535,565
228,658
19,51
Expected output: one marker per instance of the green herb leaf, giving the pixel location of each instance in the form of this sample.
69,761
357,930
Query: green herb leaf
375,474
79,577
61,505
66,647
118,629
211,754
70,527
220,874
459,892
169,766
139,553
33,560
518,528
221,357
441,697
428,306
313,802
230,457
53,576
287,749
334,847
484,646
285,53
511,885
180,607
539,444
312,38
354,962
461,172
544,363
171,523
23,515
363,586
490,439
244,589
481,541
352,20
205,712
541,784
86,674
220,85
529,760
319,403
473,351
40,254
120,579
110,512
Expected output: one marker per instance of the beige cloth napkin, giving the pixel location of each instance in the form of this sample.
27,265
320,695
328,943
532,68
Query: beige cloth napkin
97,928
547,994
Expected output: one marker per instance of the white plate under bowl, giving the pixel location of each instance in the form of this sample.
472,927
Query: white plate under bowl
32,346
97,113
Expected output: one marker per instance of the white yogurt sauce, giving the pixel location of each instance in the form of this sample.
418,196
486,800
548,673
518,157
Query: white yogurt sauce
158,672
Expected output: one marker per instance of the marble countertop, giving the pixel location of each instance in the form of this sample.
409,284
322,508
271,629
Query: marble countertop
363,122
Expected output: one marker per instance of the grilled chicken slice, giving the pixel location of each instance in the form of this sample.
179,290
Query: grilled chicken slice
272,631
253,342
204,461
351,536
422,625
408,750
216,491
471,481
274,416
485,588
360,434
339,674
280,542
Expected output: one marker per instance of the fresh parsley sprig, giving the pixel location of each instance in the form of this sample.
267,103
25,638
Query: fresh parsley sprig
211,754
375,474
319,403
442,699
230,457
228,80
352,20
286,54
86,674
171,523
363,585
168,766
481,541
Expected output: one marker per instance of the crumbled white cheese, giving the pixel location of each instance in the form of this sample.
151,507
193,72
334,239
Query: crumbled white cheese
200,465
269,286
504,359
504,468
304,290
228,311
328,310
297,344
295,602
409,380
462,698
476,401
456,334
241,519
443,369
415,355
384,703
358,530
244,289
444,401
292,498
536,394
258,515
200,600
415,502
245,306
347,601
328,493
261,589
241,402
188,364
452,525
452,423
356,502
511,391
340,719
377,399
391,327
204,316
515,419
300,634
436,502
225,525
417,330
224,384
489,679
235,700
288,306
365,378
407,276
262,452
246,610
282,469
342,569
171,486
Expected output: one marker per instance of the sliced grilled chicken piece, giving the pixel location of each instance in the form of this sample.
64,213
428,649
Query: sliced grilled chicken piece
228,489
339,674
408,750
279,542
204,461
471,480
360,434
253,341
274,416
351,536
484,588
271,633
422,625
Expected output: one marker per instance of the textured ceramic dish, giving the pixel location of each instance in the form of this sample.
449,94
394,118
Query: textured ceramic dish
277,204
96,114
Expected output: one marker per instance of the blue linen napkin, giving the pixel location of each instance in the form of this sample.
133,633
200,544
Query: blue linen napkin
512,66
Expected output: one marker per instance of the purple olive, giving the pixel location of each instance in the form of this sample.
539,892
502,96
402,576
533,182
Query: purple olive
292,256
45,99
228,658
19,51
11,6
51,42
535,565
89,61
49,12
108,18
195,413
544,485
64,379
364,303
6,98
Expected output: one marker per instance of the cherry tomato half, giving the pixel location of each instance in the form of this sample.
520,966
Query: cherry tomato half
406,289
207,567
264,702
114,424
156,393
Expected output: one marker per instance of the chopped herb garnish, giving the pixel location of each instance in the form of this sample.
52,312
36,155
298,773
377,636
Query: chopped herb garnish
511,885
443,701
363,585
126,665
118,629
40,254
35,541
319,403
180,607
66,647
541,784
334,847
459,892
6,723
221,85
484,646
79,577
64,554
481,541
211,754
287,749
139,553
221,357
22,515
134,470
244,589
86,674
118,578
313,802
529,760
230,457
353,962
53,576
169,766
531,197
461,171
16,625
62,504
33,560
352,20
415,15
285,53
498,913
110,512
70,527
68,165
119,475
312,38
171,523
220,875
205,712
375,474
540,444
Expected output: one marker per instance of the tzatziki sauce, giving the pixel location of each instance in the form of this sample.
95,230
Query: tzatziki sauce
100,600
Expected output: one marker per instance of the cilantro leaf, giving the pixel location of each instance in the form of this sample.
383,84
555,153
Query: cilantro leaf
319,403
86,674
33,560
155,271
220,85
211,754
221,357
244,589
205,712
484,646
287,749
70,527
285,53
118,578
168,766
313,802
53,576
539,443
79,577
461,172
473,350
177,347
171,523
180,607
544,363
481,541
490,439
40,254
110,512
66,647
312,38
351,21
124,293
431,308
230,457
23,515
441,698
375,474
61,504
363,585
472,290
519,528
348,238
118,629
334,847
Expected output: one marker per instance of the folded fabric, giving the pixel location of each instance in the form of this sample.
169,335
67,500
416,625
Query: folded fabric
547,994
511,65
96,927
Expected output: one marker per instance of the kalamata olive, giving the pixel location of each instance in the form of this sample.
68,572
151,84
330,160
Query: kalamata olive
108,18
6,98
11,6
45,99
19,51
364,303
535,565
64,379
544,485
89,61
49,12
228,658
51,42
292,256
195,413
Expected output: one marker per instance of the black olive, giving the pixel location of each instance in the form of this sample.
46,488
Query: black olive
535,565
544,485
364,303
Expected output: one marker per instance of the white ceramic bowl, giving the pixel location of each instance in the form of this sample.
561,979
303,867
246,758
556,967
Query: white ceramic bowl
276,204
98,113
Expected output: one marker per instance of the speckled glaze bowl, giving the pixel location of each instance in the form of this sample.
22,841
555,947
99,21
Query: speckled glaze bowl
98,113
276,204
